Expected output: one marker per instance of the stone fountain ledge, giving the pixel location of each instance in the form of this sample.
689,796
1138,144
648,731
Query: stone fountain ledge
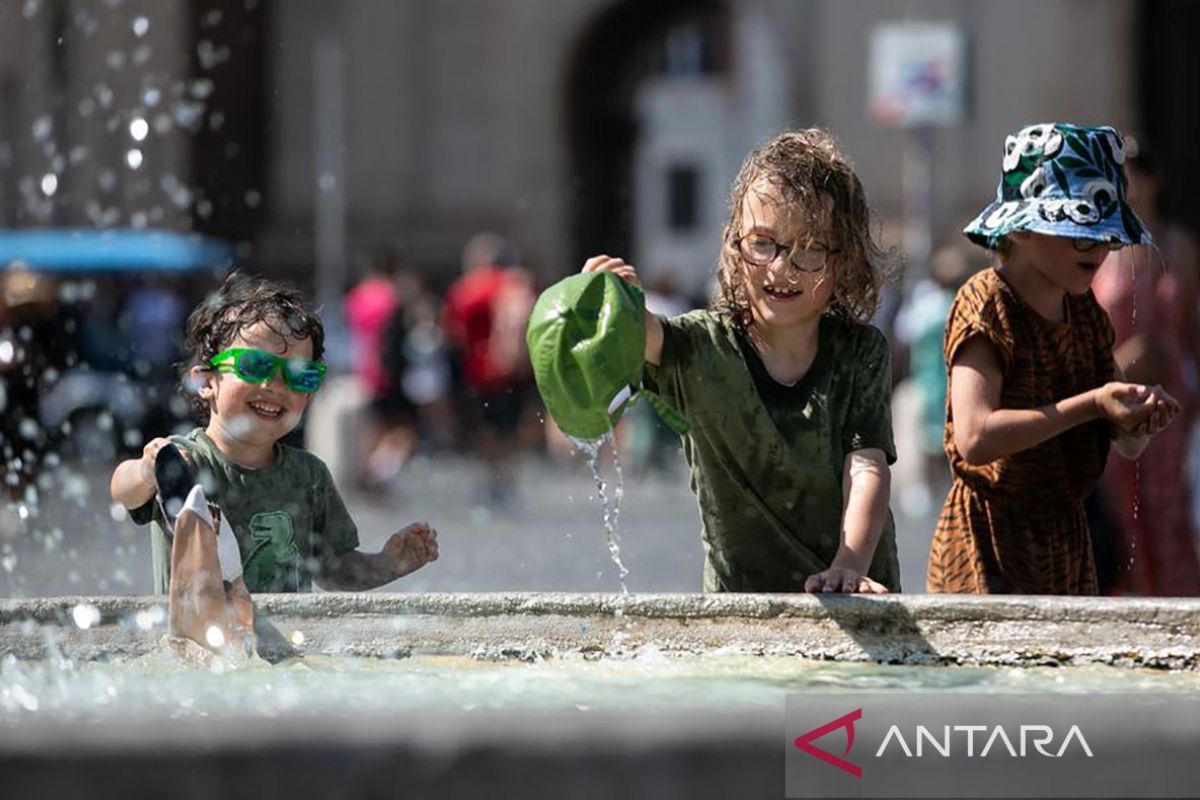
913,629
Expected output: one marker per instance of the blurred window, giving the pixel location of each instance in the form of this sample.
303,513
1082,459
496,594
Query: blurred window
692,49
683,194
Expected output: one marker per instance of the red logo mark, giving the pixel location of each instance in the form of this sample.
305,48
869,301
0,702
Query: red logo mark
805,742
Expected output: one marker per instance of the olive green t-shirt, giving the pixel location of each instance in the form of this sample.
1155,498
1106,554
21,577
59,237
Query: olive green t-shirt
766,466
285,516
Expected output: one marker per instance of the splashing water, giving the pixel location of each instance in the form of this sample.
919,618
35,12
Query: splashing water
1137,501
1137,464
1133,288
612,511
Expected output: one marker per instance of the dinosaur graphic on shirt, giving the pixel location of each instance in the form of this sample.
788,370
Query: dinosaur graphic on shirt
271,559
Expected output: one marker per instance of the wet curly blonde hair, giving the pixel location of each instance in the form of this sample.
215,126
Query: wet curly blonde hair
810,172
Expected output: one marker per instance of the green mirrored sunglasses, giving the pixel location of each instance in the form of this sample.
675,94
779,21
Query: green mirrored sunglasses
259,366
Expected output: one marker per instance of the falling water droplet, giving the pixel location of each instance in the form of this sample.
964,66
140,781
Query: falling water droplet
30,430
85,616
42,127
138,128
1137,493
214,636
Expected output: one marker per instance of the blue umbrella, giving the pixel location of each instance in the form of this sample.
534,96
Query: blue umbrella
115,250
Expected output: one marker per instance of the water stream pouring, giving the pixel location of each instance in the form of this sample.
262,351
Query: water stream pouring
591,449
587,340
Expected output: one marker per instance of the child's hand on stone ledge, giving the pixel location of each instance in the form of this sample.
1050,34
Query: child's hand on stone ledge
843,580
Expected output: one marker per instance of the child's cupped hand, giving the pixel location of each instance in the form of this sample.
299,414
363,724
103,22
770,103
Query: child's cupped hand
411,548
616,266
1166,408
1136,409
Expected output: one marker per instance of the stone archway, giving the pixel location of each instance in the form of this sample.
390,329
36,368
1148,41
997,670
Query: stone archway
616,52
655,140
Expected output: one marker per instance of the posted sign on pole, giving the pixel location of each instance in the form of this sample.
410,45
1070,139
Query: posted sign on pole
917,74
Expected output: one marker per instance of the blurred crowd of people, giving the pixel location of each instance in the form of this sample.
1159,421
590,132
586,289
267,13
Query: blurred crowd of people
450,372
445,372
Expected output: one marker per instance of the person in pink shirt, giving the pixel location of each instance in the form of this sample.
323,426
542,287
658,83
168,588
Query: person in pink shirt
369,307
389,437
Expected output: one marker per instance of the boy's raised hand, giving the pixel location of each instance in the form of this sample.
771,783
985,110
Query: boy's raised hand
149,454
616,266
411,548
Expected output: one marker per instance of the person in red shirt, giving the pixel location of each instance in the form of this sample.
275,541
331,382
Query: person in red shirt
484,321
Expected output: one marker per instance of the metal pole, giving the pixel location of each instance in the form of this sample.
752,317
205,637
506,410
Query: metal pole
330,194
918,200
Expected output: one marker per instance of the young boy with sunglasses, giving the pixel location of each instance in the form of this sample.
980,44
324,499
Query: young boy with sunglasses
255,350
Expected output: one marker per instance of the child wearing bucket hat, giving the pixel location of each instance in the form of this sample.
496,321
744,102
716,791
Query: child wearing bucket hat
784,384
1035,398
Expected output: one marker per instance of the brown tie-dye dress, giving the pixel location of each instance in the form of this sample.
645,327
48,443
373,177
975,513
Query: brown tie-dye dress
1017,525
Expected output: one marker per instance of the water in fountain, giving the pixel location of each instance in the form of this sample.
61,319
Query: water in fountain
157,685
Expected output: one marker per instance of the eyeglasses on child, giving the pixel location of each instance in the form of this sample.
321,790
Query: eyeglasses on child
258,366
1083,245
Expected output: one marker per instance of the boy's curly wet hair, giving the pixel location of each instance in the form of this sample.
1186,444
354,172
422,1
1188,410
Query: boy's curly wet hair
242,301
810,172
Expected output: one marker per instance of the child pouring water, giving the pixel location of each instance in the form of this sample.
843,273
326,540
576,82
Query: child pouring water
784,383
1035,397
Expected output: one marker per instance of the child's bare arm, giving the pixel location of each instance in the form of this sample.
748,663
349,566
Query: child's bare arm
984,432
626,272
866,488
133,480
404,552
654,339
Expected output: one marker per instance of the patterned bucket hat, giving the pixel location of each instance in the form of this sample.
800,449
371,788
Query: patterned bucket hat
1061,180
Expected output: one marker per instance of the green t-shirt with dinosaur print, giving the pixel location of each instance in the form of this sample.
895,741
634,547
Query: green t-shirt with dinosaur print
285,516
766,459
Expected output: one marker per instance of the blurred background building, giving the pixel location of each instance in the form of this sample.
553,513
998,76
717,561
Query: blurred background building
364,143
310,131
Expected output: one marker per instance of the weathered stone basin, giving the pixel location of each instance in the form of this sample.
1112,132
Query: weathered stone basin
580,695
